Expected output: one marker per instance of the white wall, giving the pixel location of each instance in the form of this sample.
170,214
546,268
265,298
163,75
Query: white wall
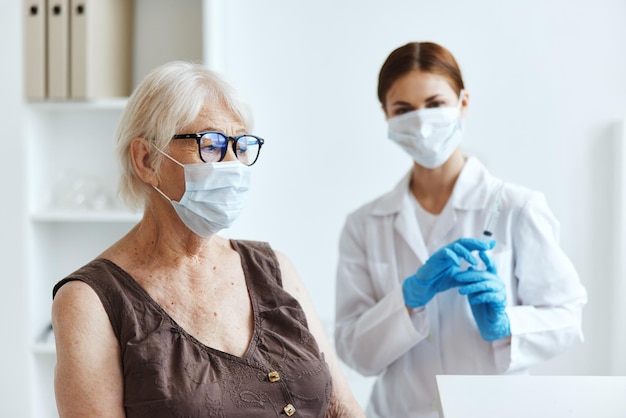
15,364
547,82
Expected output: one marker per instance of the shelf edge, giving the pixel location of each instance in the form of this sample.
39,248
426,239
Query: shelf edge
47,348
116,103
85,216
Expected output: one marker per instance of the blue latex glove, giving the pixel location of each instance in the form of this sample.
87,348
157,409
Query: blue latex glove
486,294
437,274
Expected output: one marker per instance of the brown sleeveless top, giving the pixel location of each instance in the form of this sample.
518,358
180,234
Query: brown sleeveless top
168,373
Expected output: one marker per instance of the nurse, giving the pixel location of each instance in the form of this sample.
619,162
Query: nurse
420,292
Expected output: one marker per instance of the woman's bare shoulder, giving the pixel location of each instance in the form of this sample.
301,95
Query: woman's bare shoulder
77,312
85,347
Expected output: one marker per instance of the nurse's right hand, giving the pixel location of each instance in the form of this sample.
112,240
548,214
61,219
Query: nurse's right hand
436,275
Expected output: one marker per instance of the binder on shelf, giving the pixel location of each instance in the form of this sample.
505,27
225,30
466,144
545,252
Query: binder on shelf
35,49
100,48
58,49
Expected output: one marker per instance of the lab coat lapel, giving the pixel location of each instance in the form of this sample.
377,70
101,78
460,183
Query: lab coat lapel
466,195
407,227
397,205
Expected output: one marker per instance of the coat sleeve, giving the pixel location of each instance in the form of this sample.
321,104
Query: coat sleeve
546,318
373,327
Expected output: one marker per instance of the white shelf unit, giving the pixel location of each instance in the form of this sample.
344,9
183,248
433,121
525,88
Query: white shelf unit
73,212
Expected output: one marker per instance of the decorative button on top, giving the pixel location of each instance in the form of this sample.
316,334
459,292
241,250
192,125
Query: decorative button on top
273,376
289,410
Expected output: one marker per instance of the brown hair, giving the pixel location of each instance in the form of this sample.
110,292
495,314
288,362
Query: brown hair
425,56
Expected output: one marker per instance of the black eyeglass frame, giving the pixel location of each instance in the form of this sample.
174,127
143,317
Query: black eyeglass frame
198,137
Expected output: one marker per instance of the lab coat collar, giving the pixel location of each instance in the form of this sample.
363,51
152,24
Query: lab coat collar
391,203
466,195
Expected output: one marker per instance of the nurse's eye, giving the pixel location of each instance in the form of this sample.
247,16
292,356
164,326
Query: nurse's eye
401,110
436,103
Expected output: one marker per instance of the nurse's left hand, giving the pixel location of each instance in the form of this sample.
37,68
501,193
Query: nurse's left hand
437,274
486,294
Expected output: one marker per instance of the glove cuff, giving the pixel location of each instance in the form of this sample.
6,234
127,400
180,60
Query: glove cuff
408,293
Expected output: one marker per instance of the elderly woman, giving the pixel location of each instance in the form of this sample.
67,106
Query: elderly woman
173,320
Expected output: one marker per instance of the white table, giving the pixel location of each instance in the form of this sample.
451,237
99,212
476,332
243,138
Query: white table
532,396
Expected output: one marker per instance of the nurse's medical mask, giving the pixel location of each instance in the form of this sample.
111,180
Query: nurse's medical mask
430,135
215,194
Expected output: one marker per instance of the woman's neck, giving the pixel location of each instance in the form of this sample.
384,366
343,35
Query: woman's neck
161,237
432,188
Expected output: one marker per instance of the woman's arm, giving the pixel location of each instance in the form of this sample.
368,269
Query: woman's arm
342,401
88,375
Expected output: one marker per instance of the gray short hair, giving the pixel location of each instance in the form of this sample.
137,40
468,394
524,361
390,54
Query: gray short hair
167,100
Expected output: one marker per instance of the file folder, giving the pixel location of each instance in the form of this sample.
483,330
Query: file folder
100,48
35,49
58,49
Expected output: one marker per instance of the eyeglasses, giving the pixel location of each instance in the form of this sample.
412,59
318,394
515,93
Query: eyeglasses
212,146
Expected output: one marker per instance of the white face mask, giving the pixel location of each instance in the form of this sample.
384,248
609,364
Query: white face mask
429,136
215,195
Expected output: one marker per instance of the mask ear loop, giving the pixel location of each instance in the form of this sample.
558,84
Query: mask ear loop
460,104
171,158
168,156
461,119
161,193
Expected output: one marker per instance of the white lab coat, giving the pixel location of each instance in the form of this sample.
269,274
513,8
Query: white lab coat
381,244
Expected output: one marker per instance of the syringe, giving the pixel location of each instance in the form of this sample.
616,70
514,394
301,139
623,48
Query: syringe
492,218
